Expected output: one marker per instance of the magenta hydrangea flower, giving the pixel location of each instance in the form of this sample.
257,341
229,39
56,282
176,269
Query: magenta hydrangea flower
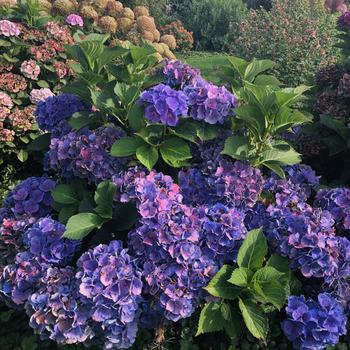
30,69
38,95
8,28
164,105
75,20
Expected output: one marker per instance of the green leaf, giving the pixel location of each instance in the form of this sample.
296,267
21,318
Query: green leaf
239,65
266,80
92,50
148,156
241,277
43,84
287,118
279,156
64,194
233,327
270,284
252,115
81,225
125,216
253,250
104,196
80,120
41,143
279,263
175,150
254,318
22,155
66,212
109,54
276,169
136,117
226,311
236,147
186,129
126,146
256,67
336,125
288,96
210,319
219,286
206,132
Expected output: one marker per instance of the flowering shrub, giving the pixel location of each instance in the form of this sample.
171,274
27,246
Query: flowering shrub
112,240
184,38
297,35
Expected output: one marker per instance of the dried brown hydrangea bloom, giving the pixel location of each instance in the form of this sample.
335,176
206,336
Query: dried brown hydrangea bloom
89,13
141,11
108,24
64,6
128,13
125,24
169,40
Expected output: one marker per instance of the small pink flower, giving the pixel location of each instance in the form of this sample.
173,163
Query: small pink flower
8,28
5,100
38,95
75,20
30,69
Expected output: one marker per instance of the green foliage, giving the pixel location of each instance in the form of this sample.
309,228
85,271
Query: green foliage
249,292
30,11
266,113
298,35
215,23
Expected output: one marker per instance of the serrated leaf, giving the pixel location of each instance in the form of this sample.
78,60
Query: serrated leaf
104,196
256,67
148,156
226,311
233,327
80,225
279,156
276,169
66,212
174,150
210,319
253,250
219,286
64,194
236,147
126,146
136,117
241,277
254,318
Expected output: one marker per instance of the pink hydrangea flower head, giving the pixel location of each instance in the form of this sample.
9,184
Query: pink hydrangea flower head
8,28
30,69
75,20
38,95
5,100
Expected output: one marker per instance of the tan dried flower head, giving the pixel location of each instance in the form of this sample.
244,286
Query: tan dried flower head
148,36
169,40
145,23
169,54
141,11
8,3
159,48
125,24
108,24
100,6
128,13
63,6
114,8
156,34
45,5
89,13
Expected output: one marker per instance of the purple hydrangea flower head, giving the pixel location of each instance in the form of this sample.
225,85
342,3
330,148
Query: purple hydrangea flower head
56,309
178,75
314,325
209,103
19,280
85,154
75,20
110,281
8,28
337,202
11,238
31,198
224,231
53,110
45,240
344,20
164,105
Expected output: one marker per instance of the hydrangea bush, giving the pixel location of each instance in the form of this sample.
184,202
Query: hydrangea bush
163,197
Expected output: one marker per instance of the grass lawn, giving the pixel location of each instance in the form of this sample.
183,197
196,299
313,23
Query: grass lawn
209,63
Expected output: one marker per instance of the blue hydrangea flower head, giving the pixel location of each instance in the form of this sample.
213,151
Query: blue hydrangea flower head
164,105
31,198
55,109
45,240
110,281
314,324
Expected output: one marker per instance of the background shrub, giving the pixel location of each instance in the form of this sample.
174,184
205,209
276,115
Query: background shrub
297,34
184,38
215,23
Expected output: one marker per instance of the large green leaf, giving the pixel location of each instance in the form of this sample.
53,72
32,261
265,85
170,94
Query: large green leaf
136,117
109,54
288,96
210,319
175,150
241,277
148,156
220,287
266,80
239,65
271,285
279,156
287,118
256,67
41,143
81,225
65,194
92,51
252,116
253,250
126,146
254,318
236,147
104,199
336,125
